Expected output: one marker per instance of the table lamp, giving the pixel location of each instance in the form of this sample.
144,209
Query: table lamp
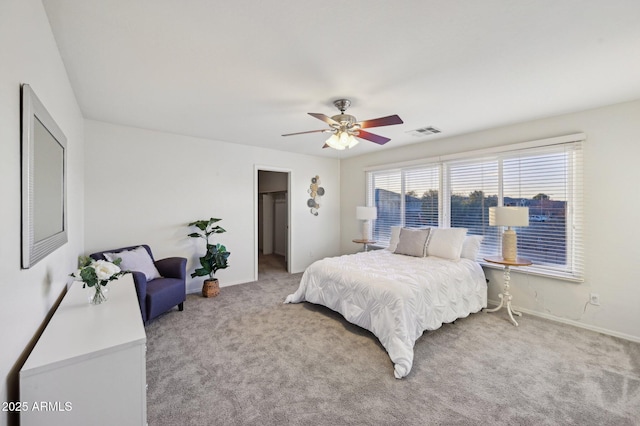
509,216
366,214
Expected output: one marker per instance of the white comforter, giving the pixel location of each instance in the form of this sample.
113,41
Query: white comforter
396,297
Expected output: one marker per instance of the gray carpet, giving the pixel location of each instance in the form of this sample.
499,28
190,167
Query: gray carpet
244,358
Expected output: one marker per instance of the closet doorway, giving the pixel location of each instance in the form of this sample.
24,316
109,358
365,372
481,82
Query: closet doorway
272,222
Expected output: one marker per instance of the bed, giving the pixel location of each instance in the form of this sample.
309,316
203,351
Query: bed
396,296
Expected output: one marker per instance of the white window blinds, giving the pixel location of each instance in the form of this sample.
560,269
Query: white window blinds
474,188
547,180
422,186
385,192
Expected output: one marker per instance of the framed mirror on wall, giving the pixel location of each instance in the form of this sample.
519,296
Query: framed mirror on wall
44,181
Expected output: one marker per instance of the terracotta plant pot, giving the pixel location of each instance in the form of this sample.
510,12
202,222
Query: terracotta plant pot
210,288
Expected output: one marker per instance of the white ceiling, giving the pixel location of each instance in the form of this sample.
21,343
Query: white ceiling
247,71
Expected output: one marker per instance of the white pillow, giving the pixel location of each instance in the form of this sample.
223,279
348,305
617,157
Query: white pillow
137,259
446,242
412,242
395,236
471,247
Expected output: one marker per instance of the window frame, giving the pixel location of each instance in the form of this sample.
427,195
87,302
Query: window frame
573,145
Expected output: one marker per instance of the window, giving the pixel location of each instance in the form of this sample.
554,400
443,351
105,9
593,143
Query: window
422,186
457,191
386,197
473,189
404,197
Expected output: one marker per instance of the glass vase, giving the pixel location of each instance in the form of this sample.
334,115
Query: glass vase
99,295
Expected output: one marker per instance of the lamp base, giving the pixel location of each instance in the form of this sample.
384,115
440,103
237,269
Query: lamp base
509,245
366,229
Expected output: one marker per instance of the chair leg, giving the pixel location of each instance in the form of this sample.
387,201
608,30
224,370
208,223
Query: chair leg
181,306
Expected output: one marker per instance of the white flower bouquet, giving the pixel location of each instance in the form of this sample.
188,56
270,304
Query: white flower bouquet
97,273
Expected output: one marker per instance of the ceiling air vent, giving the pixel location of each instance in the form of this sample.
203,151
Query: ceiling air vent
425,131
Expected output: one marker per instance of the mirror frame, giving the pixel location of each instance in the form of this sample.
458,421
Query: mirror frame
32,110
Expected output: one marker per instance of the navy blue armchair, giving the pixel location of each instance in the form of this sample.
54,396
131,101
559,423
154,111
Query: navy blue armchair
159,295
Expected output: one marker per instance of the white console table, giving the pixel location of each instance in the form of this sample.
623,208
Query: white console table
89,365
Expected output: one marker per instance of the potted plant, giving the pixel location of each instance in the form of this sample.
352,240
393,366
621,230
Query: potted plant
215,258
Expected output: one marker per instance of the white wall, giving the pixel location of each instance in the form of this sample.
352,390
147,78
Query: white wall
611,153
145,187
29,55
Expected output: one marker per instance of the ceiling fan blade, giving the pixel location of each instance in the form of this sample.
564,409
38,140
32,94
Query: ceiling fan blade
325,146
302,133
380,140
330,121
382,121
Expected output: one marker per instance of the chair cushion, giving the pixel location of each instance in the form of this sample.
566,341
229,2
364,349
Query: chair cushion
163,294
137,259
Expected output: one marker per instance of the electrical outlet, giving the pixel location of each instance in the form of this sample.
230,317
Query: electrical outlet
594,299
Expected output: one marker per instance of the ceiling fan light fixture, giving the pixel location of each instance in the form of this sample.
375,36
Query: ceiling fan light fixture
344,128
344,139
334,142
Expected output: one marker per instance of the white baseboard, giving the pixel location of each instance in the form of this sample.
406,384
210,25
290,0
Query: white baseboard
572,322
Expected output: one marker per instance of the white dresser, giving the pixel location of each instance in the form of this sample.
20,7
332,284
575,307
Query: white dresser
89,365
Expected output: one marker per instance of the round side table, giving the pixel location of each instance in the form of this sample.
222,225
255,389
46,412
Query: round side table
505,296
366,243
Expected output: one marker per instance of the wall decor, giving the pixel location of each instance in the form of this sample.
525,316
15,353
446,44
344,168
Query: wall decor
44,176
315,191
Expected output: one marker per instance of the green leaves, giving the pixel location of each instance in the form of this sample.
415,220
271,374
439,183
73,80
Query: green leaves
216,256
89,276
84,261
219,257
215,259
206,228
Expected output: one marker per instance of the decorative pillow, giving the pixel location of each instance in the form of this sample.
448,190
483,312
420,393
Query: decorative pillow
471,247
412,242
395,236
137,259
446,242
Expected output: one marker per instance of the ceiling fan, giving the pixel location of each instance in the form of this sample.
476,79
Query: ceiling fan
344,128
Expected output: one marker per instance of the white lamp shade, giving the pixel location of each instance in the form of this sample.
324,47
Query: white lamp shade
352,142
509,216
334,142
366,213
343,137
